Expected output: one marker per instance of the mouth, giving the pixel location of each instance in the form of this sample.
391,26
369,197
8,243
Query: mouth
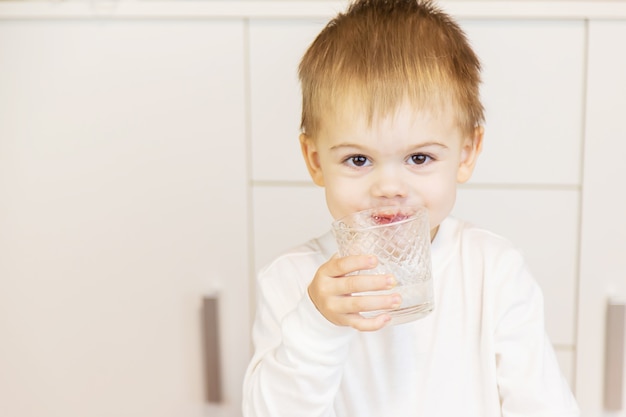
386,218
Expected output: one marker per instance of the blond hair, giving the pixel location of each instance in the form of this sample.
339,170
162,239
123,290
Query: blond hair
382,52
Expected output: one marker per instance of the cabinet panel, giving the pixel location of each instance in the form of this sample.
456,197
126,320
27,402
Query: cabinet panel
544,225
116,138
276,47
603,233
533,96
287,216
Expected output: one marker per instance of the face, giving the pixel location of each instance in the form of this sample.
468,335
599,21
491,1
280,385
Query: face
407,158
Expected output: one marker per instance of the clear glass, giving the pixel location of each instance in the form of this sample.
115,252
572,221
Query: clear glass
400,238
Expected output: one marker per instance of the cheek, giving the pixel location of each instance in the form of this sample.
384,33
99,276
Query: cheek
341,198
439,197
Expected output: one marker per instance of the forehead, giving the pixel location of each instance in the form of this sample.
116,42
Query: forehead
353,106
399,133
350,117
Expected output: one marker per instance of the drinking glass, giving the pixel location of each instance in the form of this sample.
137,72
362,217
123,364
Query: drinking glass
400,238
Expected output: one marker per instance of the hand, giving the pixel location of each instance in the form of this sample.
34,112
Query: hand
331,292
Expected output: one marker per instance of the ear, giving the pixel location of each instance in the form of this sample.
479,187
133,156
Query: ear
311,158
472,146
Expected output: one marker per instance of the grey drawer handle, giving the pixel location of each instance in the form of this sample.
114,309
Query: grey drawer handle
212,347
615,352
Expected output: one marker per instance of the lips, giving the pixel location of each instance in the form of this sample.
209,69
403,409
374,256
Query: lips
386,218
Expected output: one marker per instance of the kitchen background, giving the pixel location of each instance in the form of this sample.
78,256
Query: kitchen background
149,165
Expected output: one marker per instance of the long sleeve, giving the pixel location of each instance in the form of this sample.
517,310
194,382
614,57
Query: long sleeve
299,356
529,380
484,345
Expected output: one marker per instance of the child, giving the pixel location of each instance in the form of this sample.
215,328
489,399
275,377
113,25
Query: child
391,116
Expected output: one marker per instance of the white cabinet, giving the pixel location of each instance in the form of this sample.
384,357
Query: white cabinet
533,89
603,235
276,47
123,196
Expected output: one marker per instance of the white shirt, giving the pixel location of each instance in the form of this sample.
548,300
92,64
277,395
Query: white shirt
482,352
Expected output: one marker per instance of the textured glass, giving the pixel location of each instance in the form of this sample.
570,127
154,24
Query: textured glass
400,238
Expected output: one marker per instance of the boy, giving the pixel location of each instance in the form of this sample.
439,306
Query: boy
391,116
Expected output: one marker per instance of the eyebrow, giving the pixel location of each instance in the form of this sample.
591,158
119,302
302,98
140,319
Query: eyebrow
416,146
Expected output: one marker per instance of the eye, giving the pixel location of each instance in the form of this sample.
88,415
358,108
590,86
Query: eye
419,159
357,161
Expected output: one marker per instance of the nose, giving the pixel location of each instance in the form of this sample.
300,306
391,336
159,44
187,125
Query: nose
389,184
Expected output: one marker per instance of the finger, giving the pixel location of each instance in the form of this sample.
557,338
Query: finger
351,304
363,324
361,283
340,266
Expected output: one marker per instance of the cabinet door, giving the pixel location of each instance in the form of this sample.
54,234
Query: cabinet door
276,47
603,237
122,204
533,89
278,170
